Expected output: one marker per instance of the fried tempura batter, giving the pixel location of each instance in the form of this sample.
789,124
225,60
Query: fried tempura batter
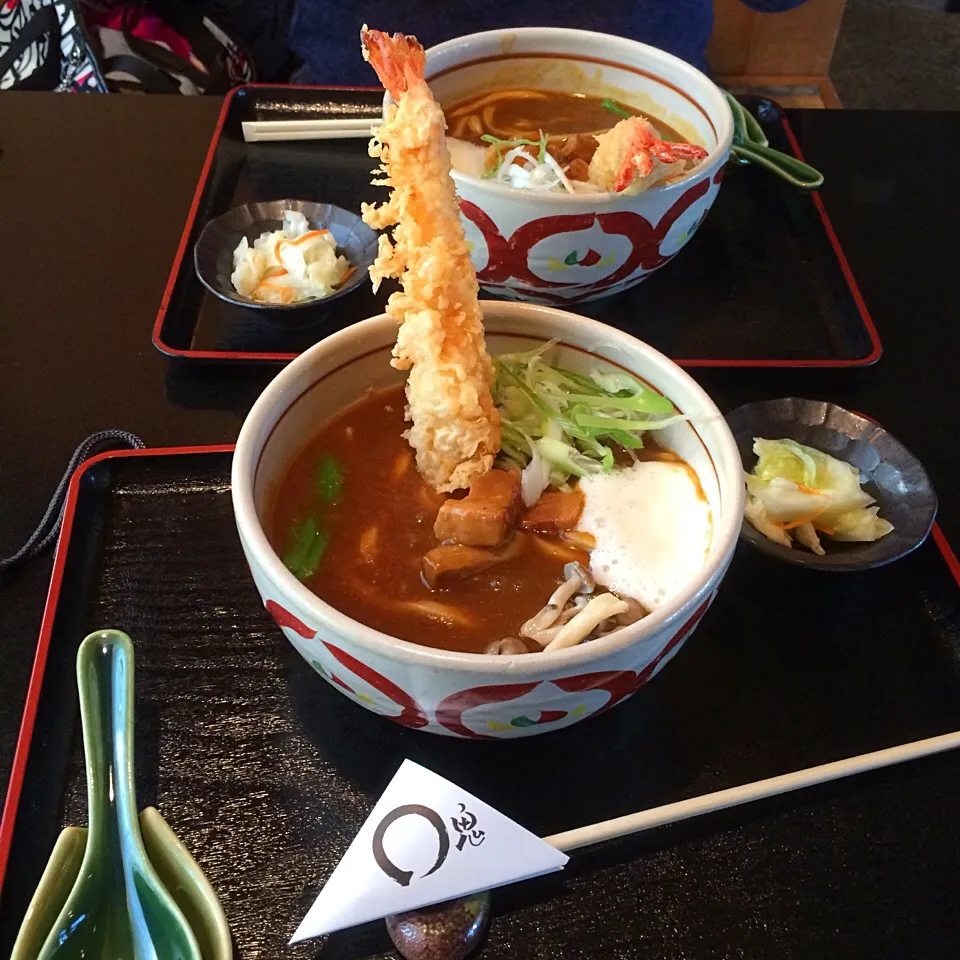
455,427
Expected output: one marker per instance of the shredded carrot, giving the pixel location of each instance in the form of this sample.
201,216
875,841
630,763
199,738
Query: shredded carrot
803,488
346,276
308,235
286,293
797,523
274,272
298,241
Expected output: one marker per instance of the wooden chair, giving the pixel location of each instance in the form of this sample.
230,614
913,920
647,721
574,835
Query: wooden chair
782,55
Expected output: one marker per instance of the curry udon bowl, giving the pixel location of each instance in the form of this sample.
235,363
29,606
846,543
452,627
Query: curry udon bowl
561,248
472,695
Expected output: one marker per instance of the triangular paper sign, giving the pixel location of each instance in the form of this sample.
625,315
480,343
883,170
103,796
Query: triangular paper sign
426,841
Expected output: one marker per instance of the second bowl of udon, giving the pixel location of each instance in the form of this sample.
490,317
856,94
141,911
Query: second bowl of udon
443,691
560,247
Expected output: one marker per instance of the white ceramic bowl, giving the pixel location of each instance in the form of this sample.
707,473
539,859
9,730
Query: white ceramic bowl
461,694
561,248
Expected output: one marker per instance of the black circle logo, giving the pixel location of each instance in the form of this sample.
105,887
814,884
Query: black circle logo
403,877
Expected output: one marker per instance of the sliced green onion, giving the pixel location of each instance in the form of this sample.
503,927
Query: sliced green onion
627,440
307,544
497,142
573,421
646,402
615,107
567,458
611,423
329,479
502,145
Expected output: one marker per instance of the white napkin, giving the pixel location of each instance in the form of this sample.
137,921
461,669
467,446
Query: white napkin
426,841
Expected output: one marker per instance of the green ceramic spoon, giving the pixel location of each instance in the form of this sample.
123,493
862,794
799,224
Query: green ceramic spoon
118,908
750,145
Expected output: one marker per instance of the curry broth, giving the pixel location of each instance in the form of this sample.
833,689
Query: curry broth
521,113
381,525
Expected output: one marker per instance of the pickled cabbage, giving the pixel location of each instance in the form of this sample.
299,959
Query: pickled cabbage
799,491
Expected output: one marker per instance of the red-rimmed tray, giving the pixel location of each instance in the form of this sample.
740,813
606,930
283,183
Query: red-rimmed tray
266,772
764,283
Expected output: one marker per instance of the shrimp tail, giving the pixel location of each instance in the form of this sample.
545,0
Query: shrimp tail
632,157
399,61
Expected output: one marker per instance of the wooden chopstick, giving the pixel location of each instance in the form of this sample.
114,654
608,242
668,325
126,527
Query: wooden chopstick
265,130
735,796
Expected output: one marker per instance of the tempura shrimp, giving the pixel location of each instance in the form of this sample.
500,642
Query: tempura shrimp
455,427
631,157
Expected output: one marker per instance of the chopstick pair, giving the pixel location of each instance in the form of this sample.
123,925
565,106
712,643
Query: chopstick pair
255,131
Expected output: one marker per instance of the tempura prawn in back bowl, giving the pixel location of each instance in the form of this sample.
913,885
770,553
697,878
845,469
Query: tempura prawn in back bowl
544,534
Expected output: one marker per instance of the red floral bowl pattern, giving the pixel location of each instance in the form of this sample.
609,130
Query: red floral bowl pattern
527,265
479,713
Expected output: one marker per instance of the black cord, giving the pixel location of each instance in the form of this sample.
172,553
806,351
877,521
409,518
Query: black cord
49,527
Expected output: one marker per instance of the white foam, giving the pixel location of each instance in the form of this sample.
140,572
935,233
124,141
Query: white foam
652,527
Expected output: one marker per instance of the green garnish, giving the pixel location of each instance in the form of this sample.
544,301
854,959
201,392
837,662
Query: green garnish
307,545
502,145
329,479
569,421
615,107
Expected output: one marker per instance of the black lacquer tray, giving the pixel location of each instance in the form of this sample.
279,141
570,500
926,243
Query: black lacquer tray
266,772
764,283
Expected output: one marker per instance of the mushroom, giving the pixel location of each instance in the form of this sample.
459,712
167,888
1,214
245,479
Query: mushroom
604,628
635,611
506,647
574,569
601,607
578,580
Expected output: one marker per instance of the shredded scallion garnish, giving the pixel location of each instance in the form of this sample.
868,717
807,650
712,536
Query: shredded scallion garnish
502,145
615,107
568,421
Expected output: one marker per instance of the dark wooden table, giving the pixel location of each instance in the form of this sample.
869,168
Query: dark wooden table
93,195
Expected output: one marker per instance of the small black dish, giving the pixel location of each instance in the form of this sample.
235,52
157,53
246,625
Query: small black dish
213,252
893,476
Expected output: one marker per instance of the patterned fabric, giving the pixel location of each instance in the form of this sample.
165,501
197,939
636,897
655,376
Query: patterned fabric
237,63
166,46
28,30
261,25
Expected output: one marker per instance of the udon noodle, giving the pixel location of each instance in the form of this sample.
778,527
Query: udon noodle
554,140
